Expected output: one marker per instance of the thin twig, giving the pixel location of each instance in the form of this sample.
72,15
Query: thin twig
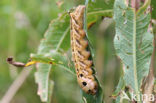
17,64
15,86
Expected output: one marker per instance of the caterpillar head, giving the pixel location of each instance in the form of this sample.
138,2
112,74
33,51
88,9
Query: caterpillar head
88,84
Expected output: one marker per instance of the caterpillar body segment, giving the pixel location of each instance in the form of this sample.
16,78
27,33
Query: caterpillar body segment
80,55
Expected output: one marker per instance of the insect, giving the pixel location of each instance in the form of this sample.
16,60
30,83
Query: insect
80,54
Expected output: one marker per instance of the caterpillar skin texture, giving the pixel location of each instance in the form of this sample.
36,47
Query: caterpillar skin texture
80,55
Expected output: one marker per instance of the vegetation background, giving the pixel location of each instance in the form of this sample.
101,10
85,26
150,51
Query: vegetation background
22,25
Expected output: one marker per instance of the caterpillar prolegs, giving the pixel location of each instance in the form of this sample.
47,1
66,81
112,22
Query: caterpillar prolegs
80,54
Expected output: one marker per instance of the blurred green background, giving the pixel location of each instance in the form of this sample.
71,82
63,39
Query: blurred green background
22,25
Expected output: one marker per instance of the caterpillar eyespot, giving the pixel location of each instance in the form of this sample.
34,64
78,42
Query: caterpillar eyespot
80,55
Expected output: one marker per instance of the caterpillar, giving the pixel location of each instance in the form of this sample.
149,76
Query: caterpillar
80,54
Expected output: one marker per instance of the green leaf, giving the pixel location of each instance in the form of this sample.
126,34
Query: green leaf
121,86
55,37
133,42
153,3
50,90
100,5
99,8
95,11
119,89
54,58
118,100
42,78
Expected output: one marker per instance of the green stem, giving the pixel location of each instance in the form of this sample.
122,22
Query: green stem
134,58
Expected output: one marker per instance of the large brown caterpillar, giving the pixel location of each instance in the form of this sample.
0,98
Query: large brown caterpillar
80,54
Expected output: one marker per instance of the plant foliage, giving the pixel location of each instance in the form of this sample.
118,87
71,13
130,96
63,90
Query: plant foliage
56,41
133,43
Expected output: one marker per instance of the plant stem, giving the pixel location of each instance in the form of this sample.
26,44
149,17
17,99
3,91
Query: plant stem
134,57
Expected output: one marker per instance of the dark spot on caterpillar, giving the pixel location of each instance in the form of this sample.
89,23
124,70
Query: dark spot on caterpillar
82,64
77,31
84,83
81,75
95,87
79,52
75,20
78,41
89,91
